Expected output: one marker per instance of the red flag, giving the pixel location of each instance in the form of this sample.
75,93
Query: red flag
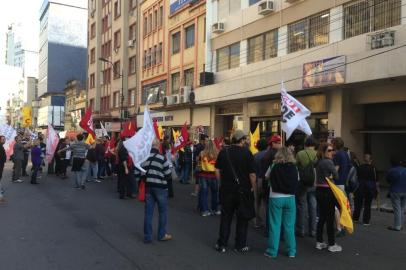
129,129
87,122
182,139
219,142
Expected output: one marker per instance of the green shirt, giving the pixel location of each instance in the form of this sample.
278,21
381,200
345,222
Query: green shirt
304,157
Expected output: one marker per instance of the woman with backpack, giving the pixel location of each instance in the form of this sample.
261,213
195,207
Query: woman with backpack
284,179
325,198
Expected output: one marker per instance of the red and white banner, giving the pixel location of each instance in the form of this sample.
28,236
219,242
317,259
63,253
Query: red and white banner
9,133
181,140
87,122
52,143
293,114
139,146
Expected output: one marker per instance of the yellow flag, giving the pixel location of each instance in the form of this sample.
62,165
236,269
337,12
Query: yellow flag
160,132
26,112
254,138
345,219
89,139
175,134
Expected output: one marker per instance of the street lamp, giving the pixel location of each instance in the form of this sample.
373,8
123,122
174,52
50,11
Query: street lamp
116,72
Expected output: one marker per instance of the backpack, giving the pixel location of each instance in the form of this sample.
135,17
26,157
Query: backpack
352,183
307,174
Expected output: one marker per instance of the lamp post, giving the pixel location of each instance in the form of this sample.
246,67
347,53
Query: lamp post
116,72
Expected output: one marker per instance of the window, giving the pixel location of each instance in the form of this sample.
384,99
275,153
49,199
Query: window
155,23
252,2
271,44
145,25
116,69
106,76
149,58
309,32
131,97
228,57
144,60
188,77
91,81
116,99
370,15
117,9
175,83
132,33
93,30
161,16
92,55
117,39
154,55
159,54
176,43
132,3
227,7
91,103
149,23
132,64
190,36
154,92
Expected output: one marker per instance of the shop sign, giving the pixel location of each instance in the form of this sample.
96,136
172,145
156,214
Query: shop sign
324,72
175,5
168,118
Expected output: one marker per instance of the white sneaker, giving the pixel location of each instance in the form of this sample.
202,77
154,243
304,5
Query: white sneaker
321,245
335,248
18,181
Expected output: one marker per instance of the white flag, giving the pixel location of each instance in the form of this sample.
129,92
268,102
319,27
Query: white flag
52,143
293,114
33,136
139,146
9,133
104,131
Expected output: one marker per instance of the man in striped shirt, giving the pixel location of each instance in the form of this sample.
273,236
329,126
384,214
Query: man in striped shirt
157,172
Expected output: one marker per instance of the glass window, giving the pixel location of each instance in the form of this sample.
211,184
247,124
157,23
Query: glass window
356,19
228,57
159,54
175,83
319,29
132,65
297,33
154,92
222,58
190,36
188,76
235,55
252,2
176,43
145,25
271,44
227,7
116,70
155,24
255,49
161,16
387,13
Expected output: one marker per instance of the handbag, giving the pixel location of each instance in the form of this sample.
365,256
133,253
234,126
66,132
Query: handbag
141,187
246,208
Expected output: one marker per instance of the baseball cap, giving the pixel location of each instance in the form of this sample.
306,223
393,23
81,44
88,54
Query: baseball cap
274,138
238,134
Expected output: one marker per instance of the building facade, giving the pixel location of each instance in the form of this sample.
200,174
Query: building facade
340,58
75,105
112,60
62,52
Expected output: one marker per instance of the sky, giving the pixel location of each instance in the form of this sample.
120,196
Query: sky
17,11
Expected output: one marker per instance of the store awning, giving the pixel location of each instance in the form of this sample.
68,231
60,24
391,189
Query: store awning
380,131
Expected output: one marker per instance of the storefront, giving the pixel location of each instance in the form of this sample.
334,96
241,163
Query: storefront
267,113
228,117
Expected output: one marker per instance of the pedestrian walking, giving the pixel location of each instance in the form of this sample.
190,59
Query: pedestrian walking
367,190
79,163
100,152
186,164
306,193
156,192
235,171
91,158
25,142
208,181
18,159
397,180
60,165
284,180
125,167
3,160
35,160
326,201
260,195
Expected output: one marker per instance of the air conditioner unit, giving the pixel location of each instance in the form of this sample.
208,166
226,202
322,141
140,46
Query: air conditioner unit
265,7
217,27
185,94
131,43
171,100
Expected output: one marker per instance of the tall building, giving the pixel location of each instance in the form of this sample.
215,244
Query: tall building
339,58
62,52
112,60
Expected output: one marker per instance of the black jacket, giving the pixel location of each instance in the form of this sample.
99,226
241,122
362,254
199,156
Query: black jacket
284,178
3,156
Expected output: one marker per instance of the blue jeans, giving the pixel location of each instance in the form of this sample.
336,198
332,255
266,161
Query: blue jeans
101,170
306,208
186,173
160,196
399,205
282,213
80,176
207,184
93,168
35,169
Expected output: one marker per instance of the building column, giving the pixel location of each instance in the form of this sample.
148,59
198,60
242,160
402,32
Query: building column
336,24
403,12
245,118
282,41
243,52
211,17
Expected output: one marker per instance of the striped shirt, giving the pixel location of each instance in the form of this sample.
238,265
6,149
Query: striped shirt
79,149
157,170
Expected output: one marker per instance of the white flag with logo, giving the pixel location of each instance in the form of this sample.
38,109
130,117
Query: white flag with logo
104,131
52,143
293,114
139,146
9,133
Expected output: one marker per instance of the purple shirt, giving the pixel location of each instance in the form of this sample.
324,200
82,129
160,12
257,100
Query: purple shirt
36,156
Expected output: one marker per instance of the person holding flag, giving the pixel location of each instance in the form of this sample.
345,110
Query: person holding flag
326,200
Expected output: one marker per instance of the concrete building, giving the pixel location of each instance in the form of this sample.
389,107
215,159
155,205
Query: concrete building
112,82
75,105
62,52
343,59
51,111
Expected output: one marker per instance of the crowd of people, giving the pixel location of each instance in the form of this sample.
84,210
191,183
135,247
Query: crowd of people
283,191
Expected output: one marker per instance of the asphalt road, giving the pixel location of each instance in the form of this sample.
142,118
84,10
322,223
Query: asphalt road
53,226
